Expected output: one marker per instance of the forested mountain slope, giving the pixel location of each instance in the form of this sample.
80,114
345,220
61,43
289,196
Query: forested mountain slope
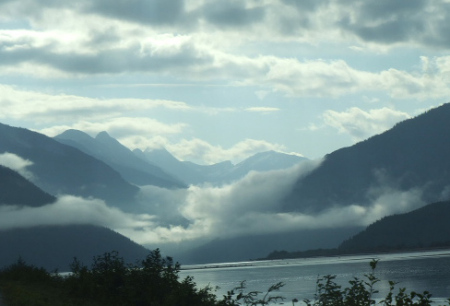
413,154
120,158
428,226
61,169
16,190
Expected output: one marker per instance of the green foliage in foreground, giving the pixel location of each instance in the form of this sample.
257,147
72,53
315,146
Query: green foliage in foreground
155,281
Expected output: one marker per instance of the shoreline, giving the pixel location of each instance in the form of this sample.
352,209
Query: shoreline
414,253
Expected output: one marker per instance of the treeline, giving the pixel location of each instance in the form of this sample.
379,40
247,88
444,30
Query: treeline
111,281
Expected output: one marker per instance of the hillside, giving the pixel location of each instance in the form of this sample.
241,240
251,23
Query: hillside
413,154
53,247
16,190
256,246
422,228
120,158
61,169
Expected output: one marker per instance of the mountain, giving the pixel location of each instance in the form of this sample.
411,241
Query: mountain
170,164
211,173
413,154
61,169
120,158
54,247
16,190
424,227
220,173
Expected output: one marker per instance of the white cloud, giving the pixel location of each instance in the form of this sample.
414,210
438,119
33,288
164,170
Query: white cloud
126,129
252,206
71,210
16,163
362,124
51,108
262,109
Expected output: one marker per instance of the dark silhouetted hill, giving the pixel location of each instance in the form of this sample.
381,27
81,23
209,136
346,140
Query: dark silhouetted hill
16,190
257,246
120,158
425,227
61,169
413,154
54,247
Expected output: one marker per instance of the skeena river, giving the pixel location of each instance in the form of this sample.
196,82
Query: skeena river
415,271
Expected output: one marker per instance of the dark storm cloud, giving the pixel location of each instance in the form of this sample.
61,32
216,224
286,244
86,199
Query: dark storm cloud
305,5
118,60
231,14
385,21
155,12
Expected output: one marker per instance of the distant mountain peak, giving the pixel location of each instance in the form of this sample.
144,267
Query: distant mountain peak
74,134
103,135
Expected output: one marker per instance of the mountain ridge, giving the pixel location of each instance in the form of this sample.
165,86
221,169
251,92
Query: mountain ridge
61,169
117,156
413,154
17,190
424,227
224,172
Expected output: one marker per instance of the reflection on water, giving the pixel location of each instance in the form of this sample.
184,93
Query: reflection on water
416,271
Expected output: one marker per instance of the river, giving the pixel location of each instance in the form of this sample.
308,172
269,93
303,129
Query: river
416,271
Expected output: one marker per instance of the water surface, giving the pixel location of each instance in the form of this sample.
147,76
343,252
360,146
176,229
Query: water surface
416,271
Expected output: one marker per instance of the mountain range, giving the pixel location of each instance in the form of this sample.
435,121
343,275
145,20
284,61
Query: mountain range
221,173
107,149
412,156
53,247
61,169
160,168
76,164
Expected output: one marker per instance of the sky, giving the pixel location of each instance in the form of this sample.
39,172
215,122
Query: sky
214,80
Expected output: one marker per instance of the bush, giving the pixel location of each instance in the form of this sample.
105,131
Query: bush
361,292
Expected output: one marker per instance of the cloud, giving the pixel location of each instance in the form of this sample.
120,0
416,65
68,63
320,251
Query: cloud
203,213
262,109
171,55
51,108
70,210
415,22
16,163
126,129
362,124
251,206
200,151
156,12
231,13
117,47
